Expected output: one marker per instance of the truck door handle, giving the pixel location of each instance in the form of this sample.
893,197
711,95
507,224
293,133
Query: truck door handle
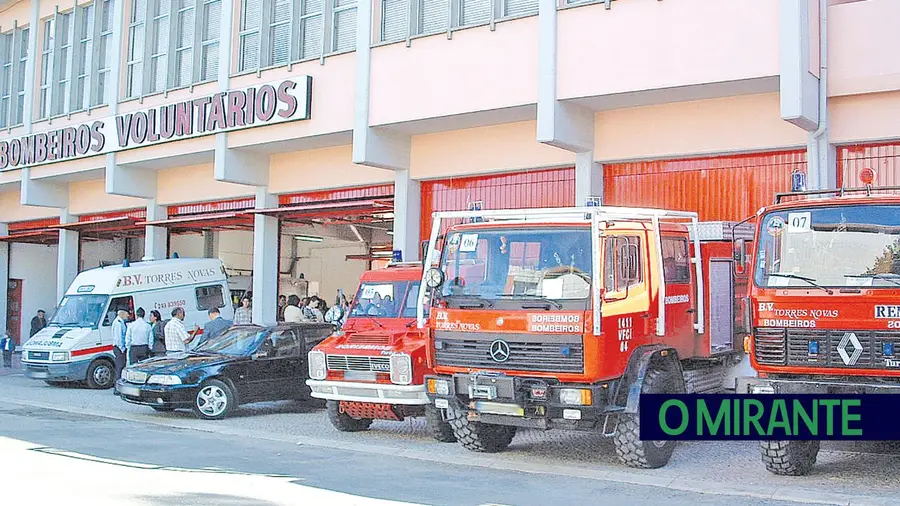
645,315
691,311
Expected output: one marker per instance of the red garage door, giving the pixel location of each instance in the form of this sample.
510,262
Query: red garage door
719,188
883,158
519,190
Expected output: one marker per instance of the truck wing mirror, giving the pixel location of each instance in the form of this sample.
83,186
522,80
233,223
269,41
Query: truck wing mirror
740,256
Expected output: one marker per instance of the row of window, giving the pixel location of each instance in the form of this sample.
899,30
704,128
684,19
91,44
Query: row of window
13,55
405,18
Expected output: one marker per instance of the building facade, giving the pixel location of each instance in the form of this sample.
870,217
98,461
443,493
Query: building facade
315,136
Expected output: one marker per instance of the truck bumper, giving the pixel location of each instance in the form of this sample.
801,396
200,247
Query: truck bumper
521,402
54,371
807,386
368,392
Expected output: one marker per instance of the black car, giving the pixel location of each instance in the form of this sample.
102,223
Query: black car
245,364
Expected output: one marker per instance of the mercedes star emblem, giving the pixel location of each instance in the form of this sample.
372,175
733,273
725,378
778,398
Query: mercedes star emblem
500,350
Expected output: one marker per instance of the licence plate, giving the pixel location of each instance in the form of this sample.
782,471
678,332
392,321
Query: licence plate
127,390
482,391
39,375
499,408
359,376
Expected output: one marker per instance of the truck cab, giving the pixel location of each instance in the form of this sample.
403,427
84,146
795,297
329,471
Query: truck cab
561,318
373,367
825,303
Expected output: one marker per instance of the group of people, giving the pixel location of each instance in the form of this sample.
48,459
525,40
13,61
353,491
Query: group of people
293,309
140,339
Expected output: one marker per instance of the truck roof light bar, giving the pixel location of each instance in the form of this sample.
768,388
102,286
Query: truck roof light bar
836,192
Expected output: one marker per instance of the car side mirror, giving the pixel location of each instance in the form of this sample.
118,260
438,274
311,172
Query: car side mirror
740,256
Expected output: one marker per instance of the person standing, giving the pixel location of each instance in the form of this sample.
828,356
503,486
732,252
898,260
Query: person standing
177,336
215,327
158,346
38,322
138,338
119,329
243,315
282,305
8,346
293,313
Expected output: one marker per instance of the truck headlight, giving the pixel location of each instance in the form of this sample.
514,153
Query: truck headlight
438,386
575,396
164,379
59,356
401,369
318,369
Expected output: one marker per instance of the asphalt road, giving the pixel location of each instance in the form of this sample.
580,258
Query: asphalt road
399,461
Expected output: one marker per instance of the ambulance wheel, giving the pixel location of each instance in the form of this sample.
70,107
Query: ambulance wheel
214,400
101,375
439,428
646,454
344,422
789,458
477,436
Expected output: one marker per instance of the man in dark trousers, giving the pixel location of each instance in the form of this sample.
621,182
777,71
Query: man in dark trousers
213,328
38,322
8,346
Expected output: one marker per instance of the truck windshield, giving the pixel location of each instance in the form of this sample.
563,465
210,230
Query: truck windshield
840,246
79,311
379,299
507,263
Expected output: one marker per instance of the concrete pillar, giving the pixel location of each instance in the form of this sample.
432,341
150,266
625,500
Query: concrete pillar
588,178
821,162
67,257
265,260
407,215
4,278
209,244
156,239
799,82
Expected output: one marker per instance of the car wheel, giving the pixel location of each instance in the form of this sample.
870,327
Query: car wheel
101,375
214,400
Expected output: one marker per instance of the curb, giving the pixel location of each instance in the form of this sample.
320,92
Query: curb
600,473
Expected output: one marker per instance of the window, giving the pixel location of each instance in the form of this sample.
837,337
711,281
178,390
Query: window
433,16
209,297
676,263
286,344
379,299
276,32
75,59
172,44
6,66
623,263
412,302
118,304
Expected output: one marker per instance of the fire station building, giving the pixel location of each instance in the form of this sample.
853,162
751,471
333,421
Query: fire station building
315,137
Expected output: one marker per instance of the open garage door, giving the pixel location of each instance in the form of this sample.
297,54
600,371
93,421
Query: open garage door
883,158
108,238
33,232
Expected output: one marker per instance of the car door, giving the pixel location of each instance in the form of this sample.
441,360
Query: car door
291,365
271,367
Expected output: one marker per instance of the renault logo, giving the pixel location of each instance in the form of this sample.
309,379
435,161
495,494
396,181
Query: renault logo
851,340
500,350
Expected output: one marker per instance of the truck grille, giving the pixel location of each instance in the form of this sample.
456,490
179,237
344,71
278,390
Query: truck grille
527,352
829,348
38,355
355,363
369,339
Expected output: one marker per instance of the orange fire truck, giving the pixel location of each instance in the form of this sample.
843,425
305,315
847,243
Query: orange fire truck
561,318
373,368
825,302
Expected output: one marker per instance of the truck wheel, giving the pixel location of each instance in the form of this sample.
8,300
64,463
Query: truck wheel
439,428
646,454
214,400
344,422
101,375
477,436
789,458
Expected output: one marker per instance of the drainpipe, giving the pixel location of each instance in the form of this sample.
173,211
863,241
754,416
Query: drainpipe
815,137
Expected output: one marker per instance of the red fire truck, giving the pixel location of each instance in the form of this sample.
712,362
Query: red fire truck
825,302
373,368
561,318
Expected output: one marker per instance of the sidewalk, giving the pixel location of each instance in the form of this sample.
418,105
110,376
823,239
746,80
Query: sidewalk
16,366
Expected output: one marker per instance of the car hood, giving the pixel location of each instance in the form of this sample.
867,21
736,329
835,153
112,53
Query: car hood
182,362
56,338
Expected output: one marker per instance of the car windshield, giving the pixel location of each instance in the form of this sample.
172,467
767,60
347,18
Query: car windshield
839,246
79,311
237,341
538,262
379,299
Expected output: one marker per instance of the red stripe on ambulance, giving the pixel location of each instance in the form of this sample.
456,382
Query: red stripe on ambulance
89,351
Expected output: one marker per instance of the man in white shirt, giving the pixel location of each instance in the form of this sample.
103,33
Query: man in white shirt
137,338
176,335
119,328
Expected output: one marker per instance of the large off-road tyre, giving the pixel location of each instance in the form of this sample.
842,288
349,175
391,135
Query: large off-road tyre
477,436
647,454
214,400
344,422
439,428
101,375
789,458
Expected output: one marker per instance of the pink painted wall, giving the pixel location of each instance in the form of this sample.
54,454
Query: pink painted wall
316,169
647,44
863,44
477,70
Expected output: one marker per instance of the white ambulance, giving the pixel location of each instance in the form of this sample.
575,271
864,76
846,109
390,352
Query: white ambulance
77,344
